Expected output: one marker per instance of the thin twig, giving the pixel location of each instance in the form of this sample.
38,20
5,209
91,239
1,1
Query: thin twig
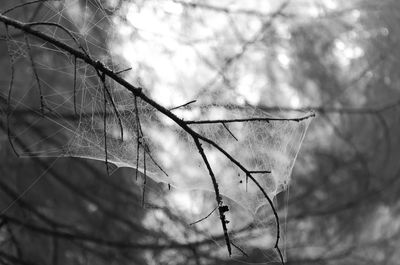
229,131
10,88
124,70
115,110
251,119
260,171
24,4
144,176
137,159
76,113
138,136
35,73
183,105
238,248
247,181
69,32
278,233
280,254
146,149
217,194
154,161
204,218
102,77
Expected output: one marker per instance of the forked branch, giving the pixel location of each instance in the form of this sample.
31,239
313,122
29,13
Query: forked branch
185,125
217,194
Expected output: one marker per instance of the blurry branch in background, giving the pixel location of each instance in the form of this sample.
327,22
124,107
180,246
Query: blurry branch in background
14,260
214,8
25,4
40,4
10,89
335,110
245,46
351,84
362,5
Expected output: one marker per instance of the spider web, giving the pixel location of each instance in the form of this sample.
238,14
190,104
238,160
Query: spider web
80,121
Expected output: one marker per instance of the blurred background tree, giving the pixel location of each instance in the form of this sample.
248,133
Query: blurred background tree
335,57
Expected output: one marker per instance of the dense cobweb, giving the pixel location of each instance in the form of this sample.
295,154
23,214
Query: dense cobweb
171,154
87,117
155,147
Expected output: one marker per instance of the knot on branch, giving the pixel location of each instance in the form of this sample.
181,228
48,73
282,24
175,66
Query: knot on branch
223,209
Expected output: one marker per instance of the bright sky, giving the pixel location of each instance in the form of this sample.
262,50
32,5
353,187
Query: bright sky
179,70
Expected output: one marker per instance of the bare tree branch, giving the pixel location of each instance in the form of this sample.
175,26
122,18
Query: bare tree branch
24,4
137,92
